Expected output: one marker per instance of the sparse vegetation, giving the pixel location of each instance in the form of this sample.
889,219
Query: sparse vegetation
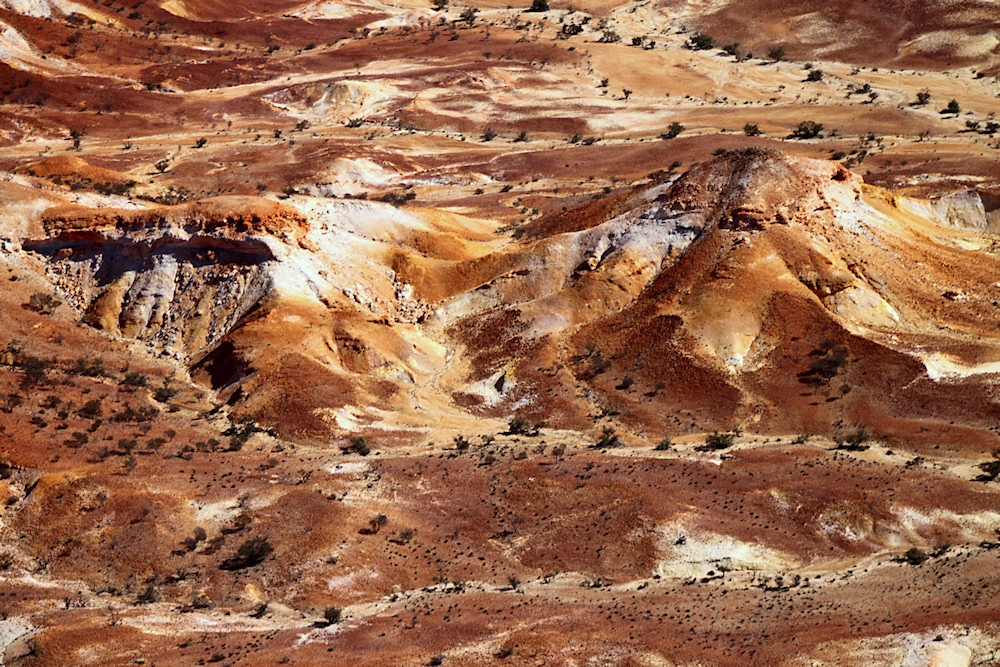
77,134
375,524
716,441
855,441
673,131
807,129
520,426
252,552
44,303
829,360
915,556
91,409
165,392
357,445
469,14
90,367
240,431
990,469
134,379
701,41
609,439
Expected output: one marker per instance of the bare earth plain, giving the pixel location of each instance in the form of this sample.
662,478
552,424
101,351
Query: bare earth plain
614,333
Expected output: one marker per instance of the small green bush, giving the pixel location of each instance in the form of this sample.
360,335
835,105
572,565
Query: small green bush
608,439
716,441
91,409
673,131
701,41
952,108
807,129
358,446
43,303
252,552
332,615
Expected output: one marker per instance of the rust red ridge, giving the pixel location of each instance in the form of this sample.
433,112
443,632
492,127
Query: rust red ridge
234,213
863,33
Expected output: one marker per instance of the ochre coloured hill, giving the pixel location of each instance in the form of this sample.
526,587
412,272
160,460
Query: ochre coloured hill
757,290
785,294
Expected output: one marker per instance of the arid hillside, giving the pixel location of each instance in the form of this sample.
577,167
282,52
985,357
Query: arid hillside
470,334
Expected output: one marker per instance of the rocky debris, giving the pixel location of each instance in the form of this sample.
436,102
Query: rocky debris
409,310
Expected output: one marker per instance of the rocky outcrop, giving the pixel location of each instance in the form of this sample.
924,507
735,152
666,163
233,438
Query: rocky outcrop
962,210
222,217
177,277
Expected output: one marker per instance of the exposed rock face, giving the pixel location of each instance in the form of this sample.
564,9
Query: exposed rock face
962,210
178,277
751,189
224,217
